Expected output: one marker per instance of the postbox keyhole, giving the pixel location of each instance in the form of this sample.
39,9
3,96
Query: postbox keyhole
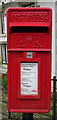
17,80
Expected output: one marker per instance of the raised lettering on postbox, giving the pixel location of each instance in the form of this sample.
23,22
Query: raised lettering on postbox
29,16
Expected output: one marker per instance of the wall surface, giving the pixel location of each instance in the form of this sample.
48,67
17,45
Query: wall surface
56,39
0,23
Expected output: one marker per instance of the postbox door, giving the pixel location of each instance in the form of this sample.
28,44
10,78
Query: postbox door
19,99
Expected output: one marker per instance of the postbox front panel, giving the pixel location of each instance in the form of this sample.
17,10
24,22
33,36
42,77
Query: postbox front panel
29,59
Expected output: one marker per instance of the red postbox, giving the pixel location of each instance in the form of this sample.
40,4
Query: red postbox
29,35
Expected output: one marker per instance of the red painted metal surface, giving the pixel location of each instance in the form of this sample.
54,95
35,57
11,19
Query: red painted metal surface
29,30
